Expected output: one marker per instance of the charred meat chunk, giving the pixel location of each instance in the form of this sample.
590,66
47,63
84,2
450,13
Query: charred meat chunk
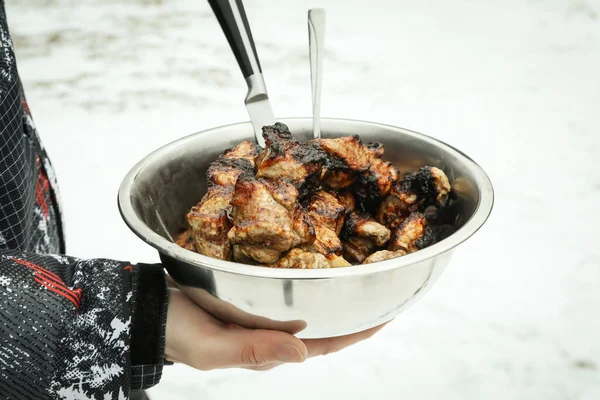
282,192
427,187
240,257
326,241
298,258
209,223
327,215
354,163
346,197
209,219
285,157
185,240
336,261
383,255
356,249
324,203
245,150
286,194
255,254
412,235
229,165
326,210
430,184
362,225
350,150
376,183
259,221
348,159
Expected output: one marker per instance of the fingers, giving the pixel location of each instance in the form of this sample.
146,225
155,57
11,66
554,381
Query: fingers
197,339
318,347
266,367
321,347
241,347
186,325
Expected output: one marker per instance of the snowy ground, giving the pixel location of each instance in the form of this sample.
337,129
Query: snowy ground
512,83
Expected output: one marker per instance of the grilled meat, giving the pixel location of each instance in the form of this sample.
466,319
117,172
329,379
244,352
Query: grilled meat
427,187
362,234
376,149
327,211
350,150
338,175
348,159
353,162
209,219
284,157
240,256
327,215
209,223
245,150
185,240
226,169
430,184
364,226
383,255
357,249
346,197
336,261
412,235
258,220
291,204
441,232
255,254
298,258
282,192
286,194
375,184
326,241
395,208
304,230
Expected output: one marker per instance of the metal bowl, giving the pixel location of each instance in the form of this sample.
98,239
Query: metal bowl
157,193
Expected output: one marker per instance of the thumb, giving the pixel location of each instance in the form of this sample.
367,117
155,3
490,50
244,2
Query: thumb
240,347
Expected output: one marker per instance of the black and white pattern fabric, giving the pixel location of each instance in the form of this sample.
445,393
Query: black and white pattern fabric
46,229
69,328
64,327
29,207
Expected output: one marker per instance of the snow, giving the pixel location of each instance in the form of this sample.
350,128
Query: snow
514,84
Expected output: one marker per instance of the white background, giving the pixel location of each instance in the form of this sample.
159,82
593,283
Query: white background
514,84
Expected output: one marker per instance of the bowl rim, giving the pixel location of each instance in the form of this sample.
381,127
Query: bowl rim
171,249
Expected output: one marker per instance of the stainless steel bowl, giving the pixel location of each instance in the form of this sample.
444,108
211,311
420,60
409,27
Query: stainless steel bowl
157,193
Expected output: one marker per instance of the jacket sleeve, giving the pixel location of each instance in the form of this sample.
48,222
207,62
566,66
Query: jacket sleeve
84,329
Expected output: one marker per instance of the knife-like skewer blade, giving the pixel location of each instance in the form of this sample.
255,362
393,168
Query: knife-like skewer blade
232,18
258,106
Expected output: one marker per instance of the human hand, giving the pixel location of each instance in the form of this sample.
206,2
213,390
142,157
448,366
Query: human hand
195,338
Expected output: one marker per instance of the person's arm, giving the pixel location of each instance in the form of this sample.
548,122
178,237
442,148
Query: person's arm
74,328
94,328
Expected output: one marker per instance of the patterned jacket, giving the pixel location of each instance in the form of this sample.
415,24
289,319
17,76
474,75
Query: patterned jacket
69,328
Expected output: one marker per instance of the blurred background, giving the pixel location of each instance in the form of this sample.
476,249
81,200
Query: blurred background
514,84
